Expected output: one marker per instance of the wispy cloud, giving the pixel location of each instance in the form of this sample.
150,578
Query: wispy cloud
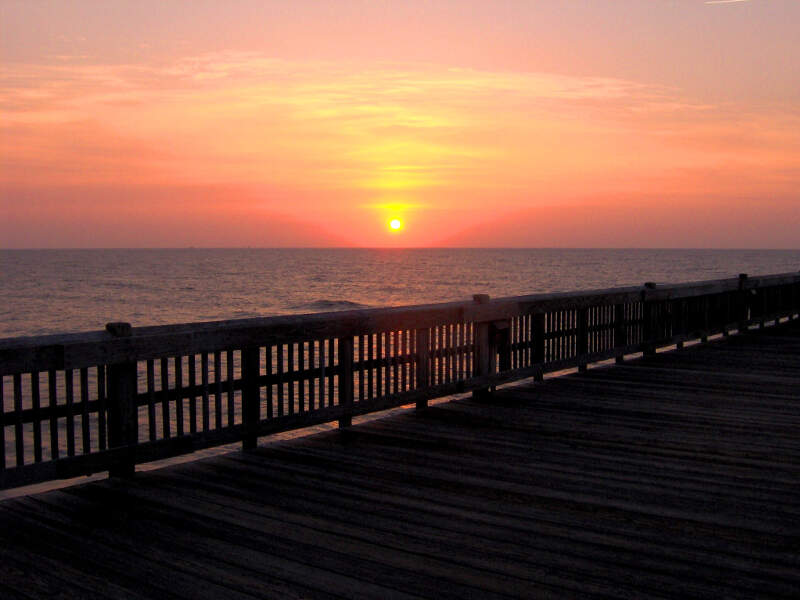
383,133
725,1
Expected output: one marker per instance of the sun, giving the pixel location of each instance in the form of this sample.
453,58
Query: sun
395,224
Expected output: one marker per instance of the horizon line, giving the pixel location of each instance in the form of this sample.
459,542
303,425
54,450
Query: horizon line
58,248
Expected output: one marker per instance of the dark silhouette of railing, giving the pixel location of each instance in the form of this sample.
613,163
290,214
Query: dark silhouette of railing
76,404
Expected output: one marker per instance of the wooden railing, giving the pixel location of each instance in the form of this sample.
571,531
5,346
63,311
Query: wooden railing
77,404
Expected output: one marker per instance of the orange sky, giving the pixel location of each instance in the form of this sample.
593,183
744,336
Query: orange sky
627,123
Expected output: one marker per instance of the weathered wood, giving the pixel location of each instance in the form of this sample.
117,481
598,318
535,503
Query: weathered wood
36,419
539,342
423,364
2,428
192,388
178,372
582,349
345,356
150,376
556,331
206,405
484,348
251,395
85,433
602,485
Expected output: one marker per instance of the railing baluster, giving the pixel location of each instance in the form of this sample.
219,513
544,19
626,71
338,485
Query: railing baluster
52,398
280,380
371,374
331,376
192,393
86,441
346,380
270,385
301,384
204,392
290,373
19,445
312,365
151,400
423,364
218,390
101,407
178,364
165,420
231,394
37,422
70,400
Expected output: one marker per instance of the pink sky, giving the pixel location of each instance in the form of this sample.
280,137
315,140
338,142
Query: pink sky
668,123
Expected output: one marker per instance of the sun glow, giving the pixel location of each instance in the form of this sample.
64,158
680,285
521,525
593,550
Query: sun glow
395,224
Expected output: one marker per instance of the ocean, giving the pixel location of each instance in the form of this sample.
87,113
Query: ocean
55,291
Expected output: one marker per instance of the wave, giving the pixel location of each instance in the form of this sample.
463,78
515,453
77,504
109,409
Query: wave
328,305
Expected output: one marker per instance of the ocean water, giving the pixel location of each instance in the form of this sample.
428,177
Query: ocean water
53,291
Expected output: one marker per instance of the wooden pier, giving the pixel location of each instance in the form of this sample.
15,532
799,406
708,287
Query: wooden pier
666,466
672,476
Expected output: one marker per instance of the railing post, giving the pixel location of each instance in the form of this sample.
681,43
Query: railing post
123,412
346,380
679,320
485,352
583,338
620,340
538,345
647,321
251,396
742,308
423,363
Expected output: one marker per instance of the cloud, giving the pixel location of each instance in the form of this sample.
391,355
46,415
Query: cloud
725,1
341,136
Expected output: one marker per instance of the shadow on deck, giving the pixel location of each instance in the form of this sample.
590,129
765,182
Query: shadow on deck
671,476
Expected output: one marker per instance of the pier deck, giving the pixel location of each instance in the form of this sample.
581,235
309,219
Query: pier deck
671,476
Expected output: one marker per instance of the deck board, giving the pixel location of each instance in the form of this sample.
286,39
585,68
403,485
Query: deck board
669,476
